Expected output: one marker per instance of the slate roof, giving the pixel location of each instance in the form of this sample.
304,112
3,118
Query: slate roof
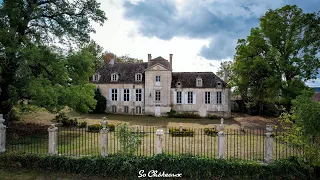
125,71
161,61
188,79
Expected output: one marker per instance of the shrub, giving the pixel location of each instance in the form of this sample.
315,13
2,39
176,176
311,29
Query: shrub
101,102
15,114
122,167
210,131
175,132
174,114
98,127
212,116
82,124
129,141
65,120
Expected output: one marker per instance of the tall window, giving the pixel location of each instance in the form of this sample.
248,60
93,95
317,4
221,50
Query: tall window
158,95
207,97
138,77
114,77
114,94
190,97
126,109
158,79
179,97
114,109
138,94
126,95
199,82
219,98
138,110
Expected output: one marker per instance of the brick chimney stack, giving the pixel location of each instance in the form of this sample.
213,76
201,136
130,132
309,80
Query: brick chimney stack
170,55
149,58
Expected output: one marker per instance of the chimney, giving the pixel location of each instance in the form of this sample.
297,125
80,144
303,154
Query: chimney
170,55
149,58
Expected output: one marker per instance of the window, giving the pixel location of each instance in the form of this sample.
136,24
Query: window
138,110
199,82
126,109
114,77
207,97
219,98
190,97
114,94
179,97
158,95
158,79
126,95
138,77
96,77
138,94
114,109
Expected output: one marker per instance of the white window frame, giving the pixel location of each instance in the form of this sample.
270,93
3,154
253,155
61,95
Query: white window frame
157,95
126,109
138,94
138,110
179,97
114,94
199,82
114,77
138,77
126,95
219,97
190,97
96,77
207,99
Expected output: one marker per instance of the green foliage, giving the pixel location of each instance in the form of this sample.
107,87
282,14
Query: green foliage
101,102
65,120
122,167
272,64
174,114
82,124
225,69
212,116
302,126
129,141
175,132
16,114
98,127
210,131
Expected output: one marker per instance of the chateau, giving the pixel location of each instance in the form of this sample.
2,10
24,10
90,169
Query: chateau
152,88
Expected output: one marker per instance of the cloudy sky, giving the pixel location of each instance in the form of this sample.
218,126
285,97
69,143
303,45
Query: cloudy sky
199,33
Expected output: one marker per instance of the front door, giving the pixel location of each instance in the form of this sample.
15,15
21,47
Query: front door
157,112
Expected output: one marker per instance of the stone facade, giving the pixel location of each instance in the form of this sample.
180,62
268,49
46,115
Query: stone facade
152,88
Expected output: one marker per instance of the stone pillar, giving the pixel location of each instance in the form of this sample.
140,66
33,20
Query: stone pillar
2,135
53,139
221,139
104,137
269,145
159,134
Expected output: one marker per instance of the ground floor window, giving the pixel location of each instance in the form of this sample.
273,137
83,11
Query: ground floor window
138,110
219,97
190,97
126,109
114,109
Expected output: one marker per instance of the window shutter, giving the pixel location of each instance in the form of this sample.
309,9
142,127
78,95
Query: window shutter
204,97
118,94
174,97
186,98
194,97
110,90
134,95
122,94
142,94
182,97
222,97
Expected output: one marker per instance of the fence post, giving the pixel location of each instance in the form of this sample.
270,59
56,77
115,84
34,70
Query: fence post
159,134
104,137
269,145
53,140
221,139
2,135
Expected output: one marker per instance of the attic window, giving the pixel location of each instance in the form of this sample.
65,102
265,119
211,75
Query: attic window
138,77
219,84
178,84
96,77
114,77
199,82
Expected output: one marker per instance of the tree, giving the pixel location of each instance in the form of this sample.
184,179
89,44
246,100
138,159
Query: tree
101,102
272,64
32,67
302,126
225,70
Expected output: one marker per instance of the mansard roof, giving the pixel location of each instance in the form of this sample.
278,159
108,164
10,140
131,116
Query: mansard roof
161,61
125,71
188,79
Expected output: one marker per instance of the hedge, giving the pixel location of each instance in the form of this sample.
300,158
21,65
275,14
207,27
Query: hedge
125,167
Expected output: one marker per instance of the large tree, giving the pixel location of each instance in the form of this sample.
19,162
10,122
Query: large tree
272,64
32,67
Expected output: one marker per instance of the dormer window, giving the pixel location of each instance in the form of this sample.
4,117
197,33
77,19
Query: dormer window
199,82
114,77
96,77
138,77
219,84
